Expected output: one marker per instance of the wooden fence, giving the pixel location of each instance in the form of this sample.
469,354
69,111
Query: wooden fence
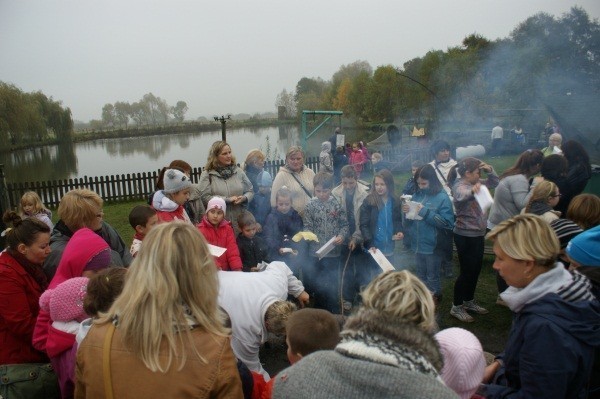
138,186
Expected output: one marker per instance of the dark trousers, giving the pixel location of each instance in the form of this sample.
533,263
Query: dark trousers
470,257
358,273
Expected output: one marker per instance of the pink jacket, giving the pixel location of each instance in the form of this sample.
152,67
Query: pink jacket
222,236
79,250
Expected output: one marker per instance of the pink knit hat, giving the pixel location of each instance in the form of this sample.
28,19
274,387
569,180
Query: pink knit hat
65,302
464,363
216,203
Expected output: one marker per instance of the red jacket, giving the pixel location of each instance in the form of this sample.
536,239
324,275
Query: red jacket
222,236
19,307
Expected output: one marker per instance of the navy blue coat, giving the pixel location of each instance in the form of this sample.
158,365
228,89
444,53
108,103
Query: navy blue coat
550,350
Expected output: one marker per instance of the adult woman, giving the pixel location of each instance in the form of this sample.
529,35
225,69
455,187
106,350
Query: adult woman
543,200
22,281
168,330
253,165
469,231
512,193
580,171
295,176
386,350
77,209
550,348
223,178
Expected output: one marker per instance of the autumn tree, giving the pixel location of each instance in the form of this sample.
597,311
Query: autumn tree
179,111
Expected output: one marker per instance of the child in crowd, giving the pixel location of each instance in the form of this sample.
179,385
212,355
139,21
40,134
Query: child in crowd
65,305
325,217
381,217
365,151
142,218
169,201
282,224
260,206
307,330
410,188
219,232
340,159
464,363
253,249
544,198
434,211
469,231
378,163
325,158
32,207
357,159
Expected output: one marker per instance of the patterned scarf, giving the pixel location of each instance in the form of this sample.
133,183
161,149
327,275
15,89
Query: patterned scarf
373,348
35,271
225,171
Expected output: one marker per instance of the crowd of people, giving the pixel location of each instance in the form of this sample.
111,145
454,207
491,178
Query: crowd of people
218,266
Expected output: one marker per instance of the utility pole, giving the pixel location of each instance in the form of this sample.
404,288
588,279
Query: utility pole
223,120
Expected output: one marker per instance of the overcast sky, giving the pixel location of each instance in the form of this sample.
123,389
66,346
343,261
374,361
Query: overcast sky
228,56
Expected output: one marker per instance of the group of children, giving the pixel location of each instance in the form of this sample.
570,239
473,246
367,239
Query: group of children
355,154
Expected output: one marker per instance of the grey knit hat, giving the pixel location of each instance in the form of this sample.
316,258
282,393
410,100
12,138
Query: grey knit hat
175,181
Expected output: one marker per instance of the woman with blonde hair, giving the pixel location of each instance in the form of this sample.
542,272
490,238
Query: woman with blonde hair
77,209
297,177
584,210
544,198
253,165
386,350
550,348
221,177
165,332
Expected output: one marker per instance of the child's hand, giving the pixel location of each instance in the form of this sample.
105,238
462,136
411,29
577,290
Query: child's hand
405,208
254,269
339,240
397,236
352,245
303,299
373,250
476,187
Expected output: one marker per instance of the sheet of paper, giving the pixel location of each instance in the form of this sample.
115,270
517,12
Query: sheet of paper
326,248
382,261
484,198
216,251
413,212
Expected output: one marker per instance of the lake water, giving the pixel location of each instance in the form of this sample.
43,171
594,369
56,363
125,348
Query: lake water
144,154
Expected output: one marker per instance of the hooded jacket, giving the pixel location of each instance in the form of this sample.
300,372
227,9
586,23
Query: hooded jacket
222,236
168,210
550,348
437,213
325,158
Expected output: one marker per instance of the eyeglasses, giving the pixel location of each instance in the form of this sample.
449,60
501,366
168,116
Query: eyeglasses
556,196
100,214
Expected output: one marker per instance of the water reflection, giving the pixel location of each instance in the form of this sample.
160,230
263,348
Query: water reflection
142,154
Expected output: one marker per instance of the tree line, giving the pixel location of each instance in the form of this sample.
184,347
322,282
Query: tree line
543,57
150,110
31,118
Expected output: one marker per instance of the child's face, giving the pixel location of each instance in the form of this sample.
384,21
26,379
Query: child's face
380,187
292,357
181,197
28,207
284,204
355,148
423,184
249,231
472,177
215,216
413,170
322,193
349,184
150,223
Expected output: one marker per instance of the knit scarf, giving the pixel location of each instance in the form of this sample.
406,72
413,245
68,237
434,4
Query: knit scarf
373,348
225,171
539,208
35,271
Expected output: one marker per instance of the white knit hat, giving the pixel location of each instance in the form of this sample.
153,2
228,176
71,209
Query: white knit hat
464,363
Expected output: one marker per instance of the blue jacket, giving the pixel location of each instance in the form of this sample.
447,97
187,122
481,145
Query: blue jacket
437,213
550,349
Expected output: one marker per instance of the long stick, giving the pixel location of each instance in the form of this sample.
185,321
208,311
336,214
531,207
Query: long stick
342,284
